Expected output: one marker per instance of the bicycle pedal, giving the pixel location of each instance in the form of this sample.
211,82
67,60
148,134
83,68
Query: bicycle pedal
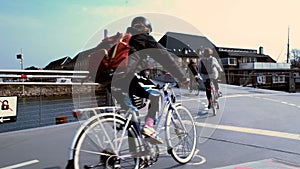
118,127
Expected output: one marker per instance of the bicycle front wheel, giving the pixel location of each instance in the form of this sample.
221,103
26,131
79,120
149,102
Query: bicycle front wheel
107,142
181,135
214,104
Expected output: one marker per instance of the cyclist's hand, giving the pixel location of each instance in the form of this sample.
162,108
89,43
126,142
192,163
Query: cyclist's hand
197,78
185,83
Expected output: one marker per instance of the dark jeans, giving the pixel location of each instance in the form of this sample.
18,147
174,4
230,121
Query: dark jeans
208,87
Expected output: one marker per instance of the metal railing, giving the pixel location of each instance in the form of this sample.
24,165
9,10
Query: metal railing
42,97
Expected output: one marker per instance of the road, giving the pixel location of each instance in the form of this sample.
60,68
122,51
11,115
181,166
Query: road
253,126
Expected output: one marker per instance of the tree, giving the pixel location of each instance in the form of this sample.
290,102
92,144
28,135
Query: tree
295,58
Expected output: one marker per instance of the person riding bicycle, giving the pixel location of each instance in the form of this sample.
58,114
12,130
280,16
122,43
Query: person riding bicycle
209,69
142,46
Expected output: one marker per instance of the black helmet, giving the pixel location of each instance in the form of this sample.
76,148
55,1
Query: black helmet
143,20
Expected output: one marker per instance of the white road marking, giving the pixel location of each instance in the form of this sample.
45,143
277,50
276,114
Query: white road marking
252,131
279,101
202,160
21,164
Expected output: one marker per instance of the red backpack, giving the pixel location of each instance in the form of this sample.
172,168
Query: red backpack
114,53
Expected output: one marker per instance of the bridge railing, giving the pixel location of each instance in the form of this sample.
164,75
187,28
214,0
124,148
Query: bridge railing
45,95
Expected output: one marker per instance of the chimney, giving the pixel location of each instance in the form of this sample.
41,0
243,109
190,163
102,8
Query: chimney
261,50
105,33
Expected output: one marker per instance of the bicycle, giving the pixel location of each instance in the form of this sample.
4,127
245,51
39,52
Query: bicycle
194,87
214,99
112,140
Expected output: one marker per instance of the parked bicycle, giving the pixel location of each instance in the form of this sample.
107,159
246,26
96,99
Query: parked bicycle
112,140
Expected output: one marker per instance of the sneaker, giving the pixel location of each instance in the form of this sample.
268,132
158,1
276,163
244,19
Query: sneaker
151,135
209,104
219,94
203,112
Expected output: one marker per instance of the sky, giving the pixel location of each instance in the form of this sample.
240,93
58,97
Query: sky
45,31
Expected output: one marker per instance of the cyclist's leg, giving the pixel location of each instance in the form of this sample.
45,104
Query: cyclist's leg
208,91
215,84
217,88
191,84
153,107
136,89
148,129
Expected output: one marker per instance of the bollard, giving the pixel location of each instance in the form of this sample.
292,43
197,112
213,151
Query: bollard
61,119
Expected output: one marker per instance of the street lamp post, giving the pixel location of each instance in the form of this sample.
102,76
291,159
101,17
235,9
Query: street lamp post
21,58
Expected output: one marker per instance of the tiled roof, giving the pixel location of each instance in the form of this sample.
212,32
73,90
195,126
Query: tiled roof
185,44
58,63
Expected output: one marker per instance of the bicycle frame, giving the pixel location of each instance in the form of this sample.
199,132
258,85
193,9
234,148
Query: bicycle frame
212,88
166,105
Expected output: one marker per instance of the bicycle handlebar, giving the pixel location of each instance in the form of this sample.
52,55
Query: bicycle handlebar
157,89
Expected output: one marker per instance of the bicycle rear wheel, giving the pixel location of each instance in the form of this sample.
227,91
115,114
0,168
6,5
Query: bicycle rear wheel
181,135
194,88
107,142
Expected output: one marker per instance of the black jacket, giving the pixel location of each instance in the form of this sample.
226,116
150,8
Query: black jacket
143,45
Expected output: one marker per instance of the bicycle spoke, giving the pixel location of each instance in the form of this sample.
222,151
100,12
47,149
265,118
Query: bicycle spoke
105,143
182,135
123,134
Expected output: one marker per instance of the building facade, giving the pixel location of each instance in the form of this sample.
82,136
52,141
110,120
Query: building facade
245,67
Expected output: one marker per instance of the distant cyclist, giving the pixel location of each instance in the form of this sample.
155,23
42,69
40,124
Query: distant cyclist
209,70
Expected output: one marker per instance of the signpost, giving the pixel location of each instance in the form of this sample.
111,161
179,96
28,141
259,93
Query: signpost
8,109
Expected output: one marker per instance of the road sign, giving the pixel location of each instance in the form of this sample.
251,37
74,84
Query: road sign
8,109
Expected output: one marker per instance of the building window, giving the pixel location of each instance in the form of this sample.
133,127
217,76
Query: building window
232,61
229,61
278,78
261,79
249,59
244,60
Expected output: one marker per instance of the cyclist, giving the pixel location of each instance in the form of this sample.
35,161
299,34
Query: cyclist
142,45
209,69
192,71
